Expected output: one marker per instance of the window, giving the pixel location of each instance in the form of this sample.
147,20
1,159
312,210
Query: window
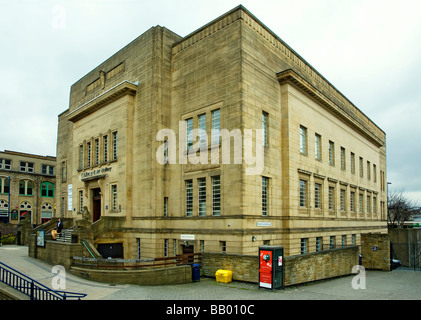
216,195
5,164
26,166
105,143
331,153
331,198
361,203
223,246
343,240
374,205
114,197
63,171
165,206
353,239
318,146
343,163
317,195
202,130
319,244
368,204
138,248
189,198
80,201
47,189
96,151
374,173
303,140
4,185
165,247
361,168
189,127
47,169
265,128
352,162
352,201
216,126
202,196
89,151
265,186
343,199
368,170
304,245
115,145
81,156
303,193
25,188
332,242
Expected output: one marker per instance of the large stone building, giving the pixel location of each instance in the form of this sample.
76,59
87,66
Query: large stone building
320,182
27,187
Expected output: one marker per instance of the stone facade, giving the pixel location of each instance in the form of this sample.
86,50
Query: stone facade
233,74
29,195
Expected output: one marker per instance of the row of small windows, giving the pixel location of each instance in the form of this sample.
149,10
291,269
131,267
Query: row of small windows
306,242
98,150
353,200
370,171
26,187
25,166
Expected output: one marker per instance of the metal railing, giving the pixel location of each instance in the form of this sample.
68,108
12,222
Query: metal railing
32,288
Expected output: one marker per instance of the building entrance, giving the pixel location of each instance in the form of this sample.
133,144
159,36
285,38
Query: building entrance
96,204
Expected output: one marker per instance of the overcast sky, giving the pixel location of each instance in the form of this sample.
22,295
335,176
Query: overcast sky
369,50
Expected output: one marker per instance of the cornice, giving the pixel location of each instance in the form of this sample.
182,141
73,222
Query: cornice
116,92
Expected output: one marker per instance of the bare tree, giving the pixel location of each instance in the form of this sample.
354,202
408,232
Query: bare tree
400,209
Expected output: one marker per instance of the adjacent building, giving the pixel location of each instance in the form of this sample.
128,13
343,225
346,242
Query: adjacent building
219,141
27,187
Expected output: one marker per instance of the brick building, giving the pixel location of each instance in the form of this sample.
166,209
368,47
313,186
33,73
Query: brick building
27,187
126,159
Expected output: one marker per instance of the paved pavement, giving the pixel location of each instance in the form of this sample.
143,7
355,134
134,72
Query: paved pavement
379,285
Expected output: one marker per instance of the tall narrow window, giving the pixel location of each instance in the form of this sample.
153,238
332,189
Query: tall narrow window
47,189
368,170
165,206
352,162
343,163
303,140
165,247
265,186
331,198
216,127
105,142
265,128
361,167
216,195
317,195
352,201
96,151
317,146
189,198
88,145
304,245
80,200
115,145
303,193
189,127
114,197
343,204
331,153
81,156
361,203
202,130
202,196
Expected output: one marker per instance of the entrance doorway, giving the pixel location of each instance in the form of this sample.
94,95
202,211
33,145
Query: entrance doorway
96,204
189,250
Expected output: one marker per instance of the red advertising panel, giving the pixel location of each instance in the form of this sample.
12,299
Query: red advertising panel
265,269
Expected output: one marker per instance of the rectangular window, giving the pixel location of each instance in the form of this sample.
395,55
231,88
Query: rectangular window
80,201
189,198
303,140
105,142
63,171
216,126
265,128
81,156
165,247
361,203
223,246
165,206
88,145
343,240
189,127
138,249
352,162
361,167
368,204
114,197
318,146
115,145
317,195
216,195
202,196
319,244
343,200
332,242
331,198
202,130
26,166
331,153
368,170
96,151
303,193
265,186
352,201
5,164
374,173
304,245
374,205
343,162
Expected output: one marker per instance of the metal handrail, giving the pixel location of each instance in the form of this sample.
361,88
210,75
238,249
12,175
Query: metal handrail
31,287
